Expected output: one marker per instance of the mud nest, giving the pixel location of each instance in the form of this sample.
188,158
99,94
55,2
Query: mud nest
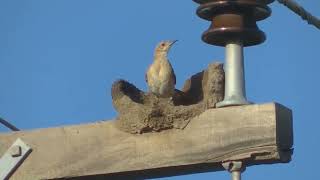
141,112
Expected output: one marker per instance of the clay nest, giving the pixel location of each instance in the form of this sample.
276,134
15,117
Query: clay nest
141,112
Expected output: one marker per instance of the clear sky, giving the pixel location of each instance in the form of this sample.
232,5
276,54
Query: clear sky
58,59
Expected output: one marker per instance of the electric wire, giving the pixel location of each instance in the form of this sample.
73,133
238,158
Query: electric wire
299,10
8,125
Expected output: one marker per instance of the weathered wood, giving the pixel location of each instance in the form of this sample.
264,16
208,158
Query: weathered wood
256,134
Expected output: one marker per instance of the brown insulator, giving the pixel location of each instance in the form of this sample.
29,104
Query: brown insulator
234,20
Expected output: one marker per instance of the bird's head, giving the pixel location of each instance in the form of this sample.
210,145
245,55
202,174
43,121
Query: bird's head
164,46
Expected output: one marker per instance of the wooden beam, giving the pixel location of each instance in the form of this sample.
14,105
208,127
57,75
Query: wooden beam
256,134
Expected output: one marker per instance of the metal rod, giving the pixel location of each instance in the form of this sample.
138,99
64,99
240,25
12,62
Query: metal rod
236,175
235,168
235,92
8,125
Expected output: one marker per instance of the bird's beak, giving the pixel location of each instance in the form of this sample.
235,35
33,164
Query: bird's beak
173,42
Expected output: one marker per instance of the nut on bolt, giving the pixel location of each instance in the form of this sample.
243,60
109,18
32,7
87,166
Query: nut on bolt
15,151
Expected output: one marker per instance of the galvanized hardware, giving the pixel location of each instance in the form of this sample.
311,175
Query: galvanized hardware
235,168
234,26
13,158
235,92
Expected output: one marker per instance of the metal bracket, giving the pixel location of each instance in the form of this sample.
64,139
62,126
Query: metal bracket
13,158
235,168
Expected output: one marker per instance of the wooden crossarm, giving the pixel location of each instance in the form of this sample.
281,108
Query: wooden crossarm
255,134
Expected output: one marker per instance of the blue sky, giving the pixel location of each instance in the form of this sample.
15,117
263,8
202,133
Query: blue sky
58,60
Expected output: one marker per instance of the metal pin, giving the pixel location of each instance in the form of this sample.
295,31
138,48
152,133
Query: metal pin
235,92
235,168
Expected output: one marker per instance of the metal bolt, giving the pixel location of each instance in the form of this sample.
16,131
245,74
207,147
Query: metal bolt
235,168
15,151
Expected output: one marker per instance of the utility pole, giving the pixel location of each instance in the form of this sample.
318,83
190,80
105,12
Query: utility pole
212,132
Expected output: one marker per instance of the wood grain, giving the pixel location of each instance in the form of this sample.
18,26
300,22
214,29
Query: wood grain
256,134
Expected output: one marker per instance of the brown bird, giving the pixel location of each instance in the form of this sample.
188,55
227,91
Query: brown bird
160,76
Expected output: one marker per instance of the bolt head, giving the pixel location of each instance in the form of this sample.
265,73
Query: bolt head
233,166
15,151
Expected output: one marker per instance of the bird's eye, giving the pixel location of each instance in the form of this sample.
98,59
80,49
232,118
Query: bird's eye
163,44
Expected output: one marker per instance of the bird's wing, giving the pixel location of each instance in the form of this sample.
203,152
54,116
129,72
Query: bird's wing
146,76
174,75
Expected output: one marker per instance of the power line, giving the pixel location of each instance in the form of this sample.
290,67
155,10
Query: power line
8,125
304,14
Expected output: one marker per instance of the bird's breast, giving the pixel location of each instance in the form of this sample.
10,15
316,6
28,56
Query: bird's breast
160,78
163,71
160,75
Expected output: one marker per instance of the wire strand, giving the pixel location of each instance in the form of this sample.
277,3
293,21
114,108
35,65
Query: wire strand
304,14
8,125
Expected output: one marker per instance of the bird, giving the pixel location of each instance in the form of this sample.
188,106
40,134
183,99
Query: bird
160,75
